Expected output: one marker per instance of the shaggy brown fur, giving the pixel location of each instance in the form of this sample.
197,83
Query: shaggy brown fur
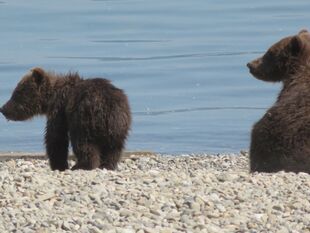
281,139
92,113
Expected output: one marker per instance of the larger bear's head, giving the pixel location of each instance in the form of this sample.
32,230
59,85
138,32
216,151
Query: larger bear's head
27,98
283,59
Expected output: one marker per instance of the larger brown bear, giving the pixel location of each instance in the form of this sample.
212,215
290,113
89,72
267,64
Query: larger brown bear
92,113
281,139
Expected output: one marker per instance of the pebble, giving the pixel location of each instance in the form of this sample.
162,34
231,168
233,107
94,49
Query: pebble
162,194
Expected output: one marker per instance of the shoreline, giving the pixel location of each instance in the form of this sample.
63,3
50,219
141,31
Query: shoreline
41,155
151,194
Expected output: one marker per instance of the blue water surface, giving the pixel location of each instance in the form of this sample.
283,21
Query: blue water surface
181,62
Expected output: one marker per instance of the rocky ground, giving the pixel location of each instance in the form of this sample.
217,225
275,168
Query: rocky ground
161,194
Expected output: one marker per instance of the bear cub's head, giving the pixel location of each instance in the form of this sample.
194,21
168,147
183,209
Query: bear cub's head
26,100
283,59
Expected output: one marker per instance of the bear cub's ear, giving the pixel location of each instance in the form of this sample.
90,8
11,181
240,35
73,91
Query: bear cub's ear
38,75
296,45
303,31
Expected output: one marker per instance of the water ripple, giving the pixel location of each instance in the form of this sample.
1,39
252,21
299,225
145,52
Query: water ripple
5,62
129,41
113,0
48,39
177,56
199,109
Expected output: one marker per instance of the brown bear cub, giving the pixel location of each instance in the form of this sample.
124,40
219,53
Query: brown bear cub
92,113
281,139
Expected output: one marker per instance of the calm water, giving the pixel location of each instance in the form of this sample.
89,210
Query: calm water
181,62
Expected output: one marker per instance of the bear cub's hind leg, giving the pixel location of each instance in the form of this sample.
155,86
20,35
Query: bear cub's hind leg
88,157
110,158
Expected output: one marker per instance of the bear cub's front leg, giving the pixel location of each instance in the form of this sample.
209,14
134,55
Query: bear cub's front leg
57,143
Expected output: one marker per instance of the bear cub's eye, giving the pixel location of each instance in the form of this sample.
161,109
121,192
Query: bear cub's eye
268,57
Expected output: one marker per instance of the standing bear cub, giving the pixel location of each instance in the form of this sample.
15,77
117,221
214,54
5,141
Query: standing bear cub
92,113
281,139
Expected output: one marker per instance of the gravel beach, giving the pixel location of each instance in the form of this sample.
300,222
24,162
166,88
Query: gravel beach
154,193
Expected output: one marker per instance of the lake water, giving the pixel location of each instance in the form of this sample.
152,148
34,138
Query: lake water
181,62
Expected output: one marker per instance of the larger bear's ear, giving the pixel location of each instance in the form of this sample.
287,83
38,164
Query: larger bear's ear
38,75
296,45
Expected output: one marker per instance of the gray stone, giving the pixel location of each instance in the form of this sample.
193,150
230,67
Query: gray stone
163,194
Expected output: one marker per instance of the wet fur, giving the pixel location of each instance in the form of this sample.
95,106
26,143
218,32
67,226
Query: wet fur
92,113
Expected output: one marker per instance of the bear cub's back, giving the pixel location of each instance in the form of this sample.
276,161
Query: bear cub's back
97,93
